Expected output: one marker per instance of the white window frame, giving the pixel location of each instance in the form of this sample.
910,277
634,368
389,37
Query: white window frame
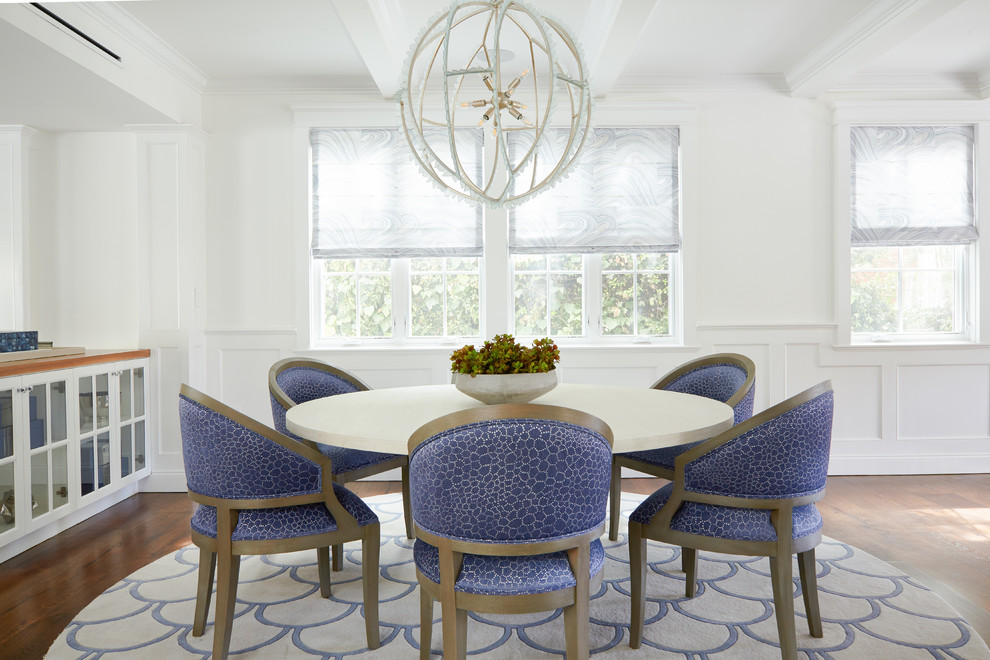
977,278
496,314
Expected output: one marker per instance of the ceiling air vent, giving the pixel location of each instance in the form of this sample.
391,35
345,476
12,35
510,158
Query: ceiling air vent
76,31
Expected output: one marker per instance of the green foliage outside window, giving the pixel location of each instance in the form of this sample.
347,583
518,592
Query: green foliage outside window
903,289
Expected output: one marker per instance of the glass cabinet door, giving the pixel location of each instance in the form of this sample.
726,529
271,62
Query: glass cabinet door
94,432
48,446
132,420
8,504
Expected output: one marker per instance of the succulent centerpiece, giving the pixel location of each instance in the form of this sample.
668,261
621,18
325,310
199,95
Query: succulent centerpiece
505,371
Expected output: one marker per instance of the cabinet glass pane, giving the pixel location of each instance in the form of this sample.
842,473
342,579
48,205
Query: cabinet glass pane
6,424
139,461
125,450
8,508
57,415
139,392
60,476
102,401
125,395
85,404
87,468
103,453
39,484
37,414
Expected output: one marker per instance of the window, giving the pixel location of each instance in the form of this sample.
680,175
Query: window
595,258
913,231
393,257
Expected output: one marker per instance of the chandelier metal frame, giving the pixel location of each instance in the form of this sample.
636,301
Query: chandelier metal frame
436,92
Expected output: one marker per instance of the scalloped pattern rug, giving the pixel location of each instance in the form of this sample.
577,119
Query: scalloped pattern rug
870,610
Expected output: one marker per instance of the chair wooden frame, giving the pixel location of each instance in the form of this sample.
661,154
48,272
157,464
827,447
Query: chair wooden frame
341,478
779,551
455,605
620,461
222,555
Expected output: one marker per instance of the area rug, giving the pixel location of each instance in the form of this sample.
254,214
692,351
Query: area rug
870,610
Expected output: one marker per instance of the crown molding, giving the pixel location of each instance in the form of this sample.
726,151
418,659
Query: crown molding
962,83
143,40
675,83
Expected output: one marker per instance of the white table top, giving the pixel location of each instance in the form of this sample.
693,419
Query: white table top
382,420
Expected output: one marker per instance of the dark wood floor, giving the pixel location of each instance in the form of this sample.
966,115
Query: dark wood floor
936,528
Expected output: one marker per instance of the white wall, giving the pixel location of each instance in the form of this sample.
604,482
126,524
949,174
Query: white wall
764,285
761,219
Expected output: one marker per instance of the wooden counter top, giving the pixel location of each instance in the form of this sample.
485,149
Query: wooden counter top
35,365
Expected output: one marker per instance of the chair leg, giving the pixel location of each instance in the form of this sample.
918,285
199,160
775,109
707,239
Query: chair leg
781,575
808,571
689,564
228,567
370,550
637,583
614,495
425,623
323,566
453,622
204,590
576,616
337,557
406,507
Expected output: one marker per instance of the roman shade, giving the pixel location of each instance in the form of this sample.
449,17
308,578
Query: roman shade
912,185
620,196
371,201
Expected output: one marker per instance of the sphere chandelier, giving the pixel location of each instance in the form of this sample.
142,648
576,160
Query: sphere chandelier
498,71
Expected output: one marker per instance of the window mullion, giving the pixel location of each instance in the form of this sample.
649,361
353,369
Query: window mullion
593,295
401,300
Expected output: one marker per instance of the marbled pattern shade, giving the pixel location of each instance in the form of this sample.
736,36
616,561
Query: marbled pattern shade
371,201
912,185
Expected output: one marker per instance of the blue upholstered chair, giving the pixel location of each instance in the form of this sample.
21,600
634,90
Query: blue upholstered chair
260,492
726,377
751,491
508,503
296,380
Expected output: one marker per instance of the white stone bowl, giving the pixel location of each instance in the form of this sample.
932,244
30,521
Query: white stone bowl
506,388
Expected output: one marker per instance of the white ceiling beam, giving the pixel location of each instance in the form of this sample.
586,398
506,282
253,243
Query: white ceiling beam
380,32
612,28
881,25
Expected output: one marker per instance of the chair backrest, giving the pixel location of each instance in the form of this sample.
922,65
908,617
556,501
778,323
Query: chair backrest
296,380
726,377
228,455
510,474
780,453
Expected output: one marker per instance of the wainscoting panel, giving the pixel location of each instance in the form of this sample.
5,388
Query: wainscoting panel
899,410
244,378
961,398
858,392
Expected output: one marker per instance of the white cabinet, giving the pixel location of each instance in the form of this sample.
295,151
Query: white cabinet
112,425
69,439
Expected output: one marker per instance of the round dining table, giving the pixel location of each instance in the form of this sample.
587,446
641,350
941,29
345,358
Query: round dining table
382,420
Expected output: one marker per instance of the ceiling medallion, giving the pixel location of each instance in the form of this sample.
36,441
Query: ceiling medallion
500,71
